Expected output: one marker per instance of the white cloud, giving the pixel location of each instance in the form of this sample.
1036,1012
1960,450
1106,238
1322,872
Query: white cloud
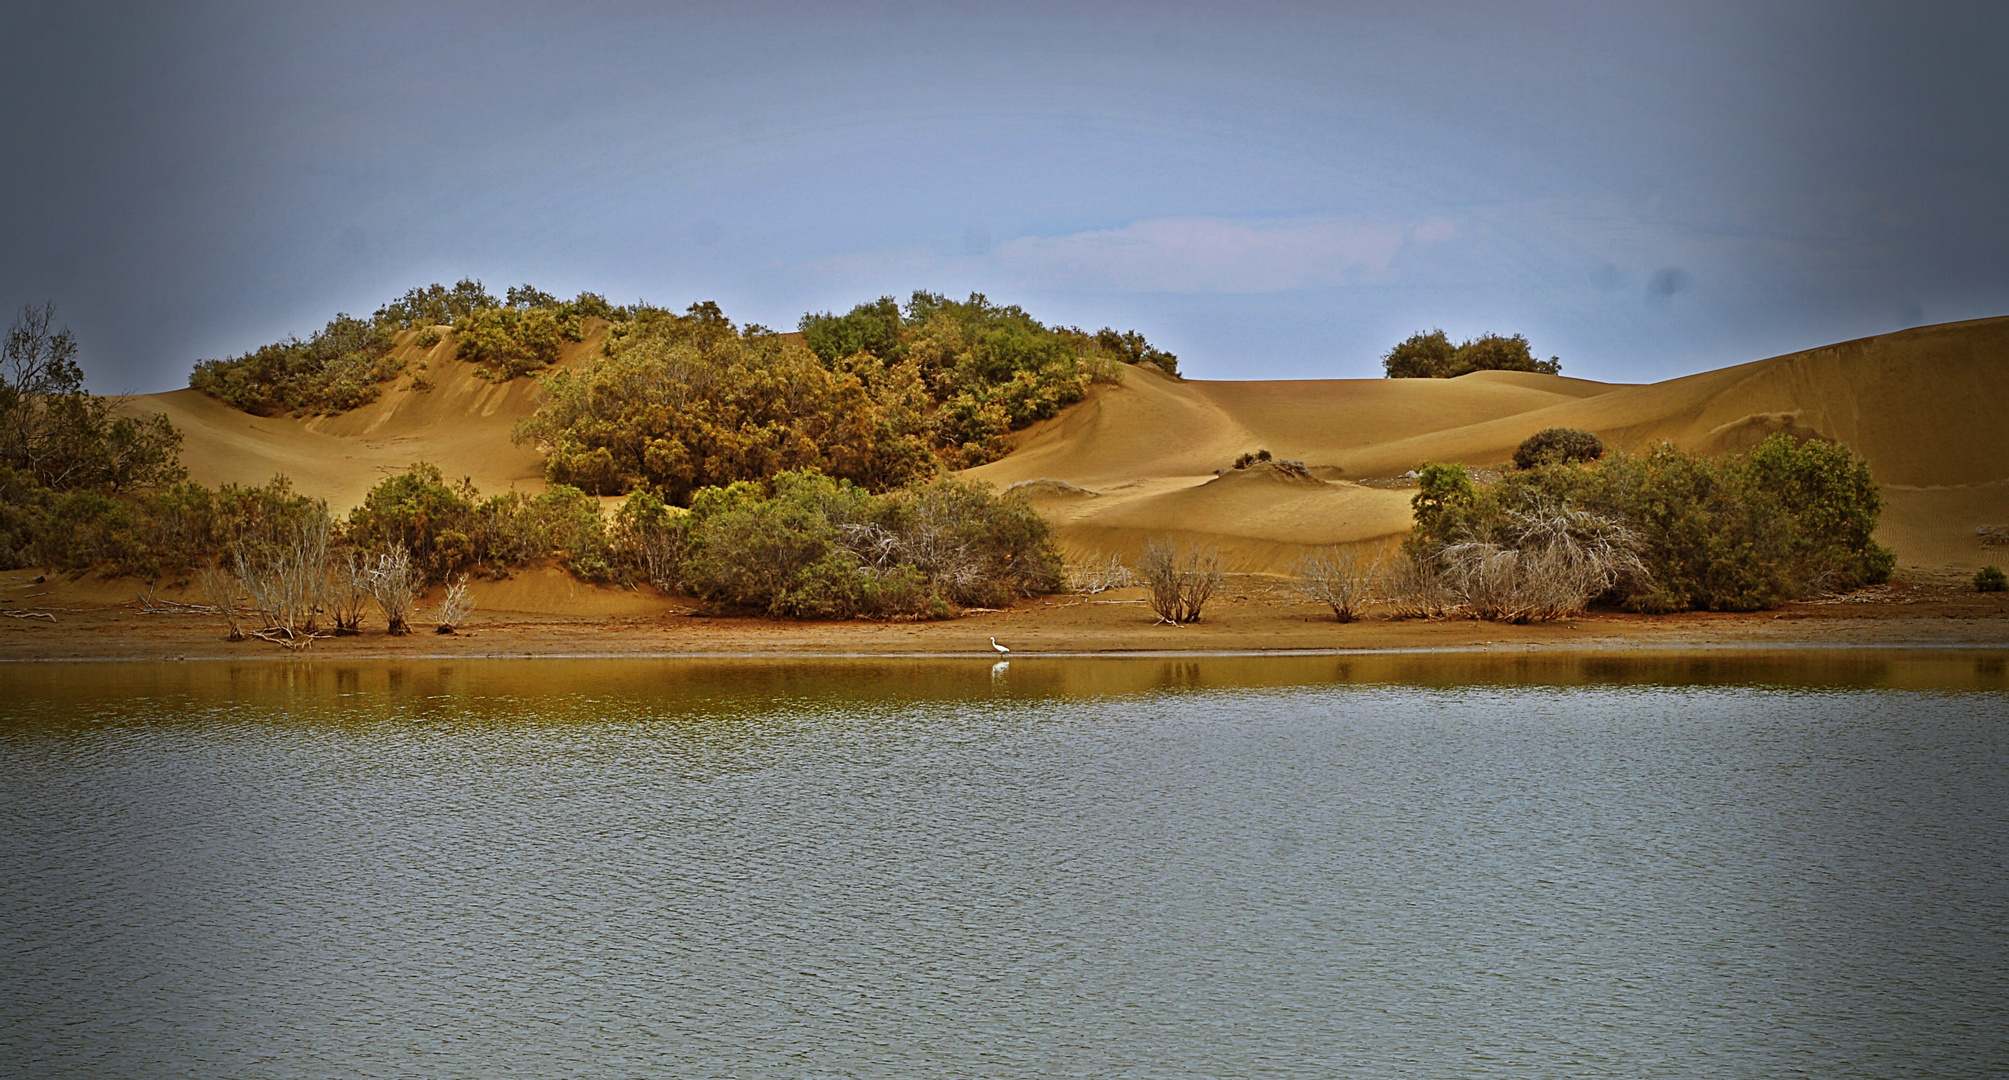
1192,255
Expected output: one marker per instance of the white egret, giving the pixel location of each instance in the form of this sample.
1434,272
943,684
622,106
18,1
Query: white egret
1001,649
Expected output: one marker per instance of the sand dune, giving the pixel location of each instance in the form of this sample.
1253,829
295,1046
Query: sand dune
462,425
1929,409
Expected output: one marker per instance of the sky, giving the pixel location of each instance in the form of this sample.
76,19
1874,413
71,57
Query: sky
1269,191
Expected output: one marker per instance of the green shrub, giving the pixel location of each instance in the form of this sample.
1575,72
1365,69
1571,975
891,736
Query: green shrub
337,369
1557,446
345,364
450,529
687,402
1430,355
817,547
505,343
1990,579
420,512
982,370
62,437
435,305
24,507
648,540
1724,534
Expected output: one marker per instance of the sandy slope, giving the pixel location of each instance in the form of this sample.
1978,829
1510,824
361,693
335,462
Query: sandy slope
462,425
1928,407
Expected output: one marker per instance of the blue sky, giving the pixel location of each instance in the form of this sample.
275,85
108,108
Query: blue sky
1270,191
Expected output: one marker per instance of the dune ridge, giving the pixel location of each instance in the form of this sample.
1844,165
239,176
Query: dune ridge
1928,407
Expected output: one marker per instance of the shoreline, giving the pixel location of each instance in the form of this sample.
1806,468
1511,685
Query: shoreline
1258,618
1603,649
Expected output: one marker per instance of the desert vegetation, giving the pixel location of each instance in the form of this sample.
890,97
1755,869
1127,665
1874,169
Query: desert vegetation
1431,355
1660,531
1181,581
344,364
810,546
1557,446
1344,579
884,395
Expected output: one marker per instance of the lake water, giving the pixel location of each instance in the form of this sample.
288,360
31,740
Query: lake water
1395,866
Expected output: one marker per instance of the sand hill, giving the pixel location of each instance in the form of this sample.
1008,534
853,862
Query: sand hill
462,424
1928,407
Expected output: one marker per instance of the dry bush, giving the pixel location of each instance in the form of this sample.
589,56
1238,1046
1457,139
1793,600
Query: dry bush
286,579
1180,585
455,607
1092,577
394,587
1551,563
219,587
348,591
1340,578
1415,590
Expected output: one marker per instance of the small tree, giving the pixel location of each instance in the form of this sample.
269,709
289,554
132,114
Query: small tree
1339,578
455,607
1431,355
1180,584
348,591
61,435
394,586
287,581
1990,579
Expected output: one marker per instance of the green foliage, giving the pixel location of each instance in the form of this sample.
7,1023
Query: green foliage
1431,355
817,547
1724,534
526,333
169,530
24,507
876,328
687,402
345,364
984,370
1833,501
1443,500
60,436
1129,347
505,343
1990,579
1557,446
337,369
434,305
450,528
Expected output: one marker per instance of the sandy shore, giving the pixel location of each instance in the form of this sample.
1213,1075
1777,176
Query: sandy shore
1251,615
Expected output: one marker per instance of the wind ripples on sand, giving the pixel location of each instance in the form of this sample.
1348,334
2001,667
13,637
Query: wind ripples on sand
1287,882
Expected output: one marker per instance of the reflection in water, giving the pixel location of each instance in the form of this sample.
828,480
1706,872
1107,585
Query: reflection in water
1712,865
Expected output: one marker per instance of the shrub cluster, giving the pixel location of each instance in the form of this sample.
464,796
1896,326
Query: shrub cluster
450,528
1673,531
881,397
1990,579
525,333
344,365
810,546
985,369
66,459
1557,446
337,369
689,401
1431,355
